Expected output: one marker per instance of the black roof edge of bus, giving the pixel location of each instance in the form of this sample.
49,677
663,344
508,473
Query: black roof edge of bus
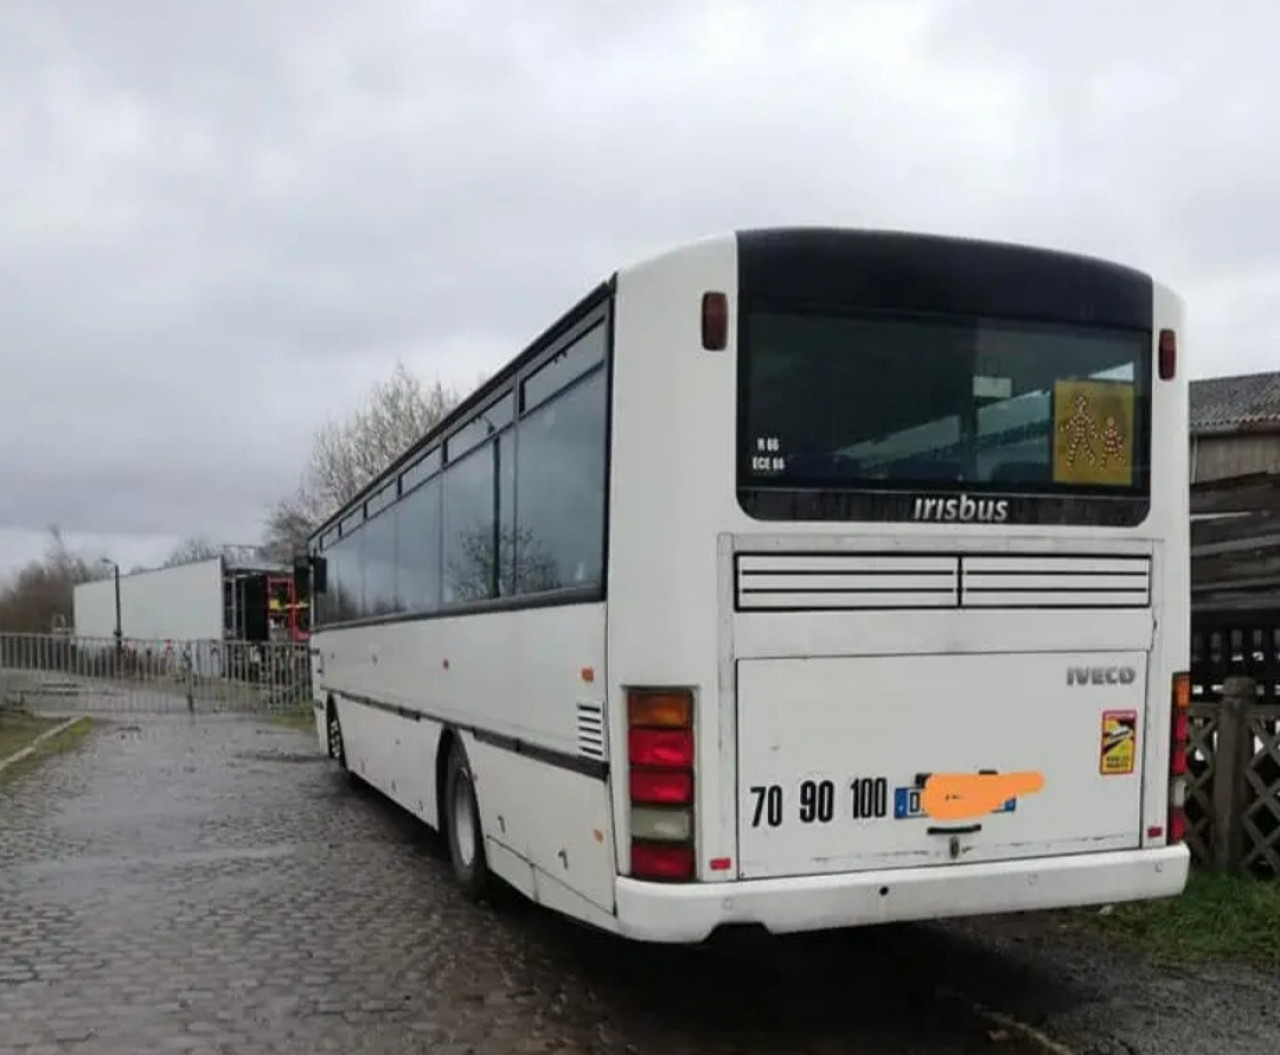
1016,279
812,236
458,416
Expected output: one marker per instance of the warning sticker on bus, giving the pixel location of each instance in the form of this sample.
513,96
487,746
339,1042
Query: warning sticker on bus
1119,746
1093,432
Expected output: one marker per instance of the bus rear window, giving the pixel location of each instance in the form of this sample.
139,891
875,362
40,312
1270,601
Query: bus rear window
882,401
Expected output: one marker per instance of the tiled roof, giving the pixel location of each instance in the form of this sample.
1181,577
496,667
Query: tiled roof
1225,403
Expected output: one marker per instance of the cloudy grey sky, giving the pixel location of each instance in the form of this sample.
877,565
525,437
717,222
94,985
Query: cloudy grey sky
222,220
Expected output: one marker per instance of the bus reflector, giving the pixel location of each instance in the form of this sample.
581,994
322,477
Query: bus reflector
1181,702
669,861
673,709
715,321
660,747
662,787
1168,355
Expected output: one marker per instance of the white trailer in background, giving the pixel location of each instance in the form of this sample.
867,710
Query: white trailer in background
181,603
195,608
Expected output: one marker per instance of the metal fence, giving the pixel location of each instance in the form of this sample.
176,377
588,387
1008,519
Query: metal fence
57,672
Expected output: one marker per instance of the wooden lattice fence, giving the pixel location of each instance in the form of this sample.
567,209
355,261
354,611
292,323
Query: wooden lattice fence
1233,743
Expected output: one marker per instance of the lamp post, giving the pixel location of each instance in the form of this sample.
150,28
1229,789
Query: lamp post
119,629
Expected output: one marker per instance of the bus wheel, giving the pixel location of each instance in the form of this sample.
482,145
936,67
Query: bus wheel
466,839
336,749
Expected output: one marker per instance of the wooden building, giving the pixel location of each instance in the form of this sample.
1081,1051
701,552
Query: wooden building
1235,493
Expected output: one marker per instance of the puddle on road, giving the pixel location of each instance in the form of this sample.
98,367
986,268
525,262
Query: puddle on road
279,756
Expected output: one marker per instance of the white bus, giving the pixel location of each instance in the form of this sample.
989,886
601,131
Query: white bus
795,578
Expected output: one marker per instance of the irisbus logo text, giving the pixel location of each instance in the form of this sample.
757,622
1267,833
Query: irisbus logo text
962,509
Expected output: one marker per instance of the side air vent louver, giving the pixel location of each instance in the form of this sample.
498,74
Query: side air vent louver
591,730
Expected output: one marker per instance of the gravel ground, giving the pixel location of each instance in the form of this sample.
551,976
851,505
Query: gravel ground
215,885
1104,999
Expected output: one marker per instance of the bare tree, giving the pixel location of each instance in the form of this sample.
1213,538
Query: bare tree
524,564
191,549
42,588
347,454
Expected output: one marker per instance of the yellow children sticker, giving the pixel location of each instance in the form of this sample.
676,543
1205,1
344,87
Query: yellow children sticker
1093,433
1119,742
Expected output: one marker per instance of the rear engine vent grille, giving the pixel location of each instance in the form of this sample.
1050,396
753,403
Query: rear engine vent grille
1056,582
798,582
842,582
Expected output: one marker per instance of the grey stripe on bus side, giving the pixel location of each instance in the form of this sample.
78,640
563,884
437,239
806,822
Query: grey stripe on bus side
595,768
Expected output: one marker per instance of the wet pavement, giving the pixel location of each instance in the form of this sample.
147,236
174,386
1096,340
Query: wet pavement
215,885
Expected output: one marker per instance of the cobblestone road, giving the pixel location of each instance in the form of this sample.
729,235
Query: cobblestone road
214,885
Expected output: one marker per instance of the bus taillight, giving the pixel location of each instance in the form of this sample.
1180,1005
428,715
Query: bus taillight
1168,351
660,756
1178,757
671,861
661,787
660,747
715,321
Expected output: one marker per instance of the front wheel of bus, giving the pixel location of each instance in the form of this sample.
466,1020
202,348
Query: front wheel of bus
466,838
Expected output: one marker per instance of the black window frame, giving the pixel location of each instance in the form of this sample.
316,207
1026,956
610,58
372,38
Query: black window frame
572,384
459,436
413,493
421,470
832,273
381,499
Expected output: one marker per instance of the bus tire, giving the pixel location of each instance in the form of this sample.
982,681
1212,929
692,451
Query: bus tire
333,729
465,833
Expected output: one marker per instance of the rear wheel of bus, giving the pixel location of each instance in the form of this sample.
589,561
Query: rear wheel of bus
465,833
333,727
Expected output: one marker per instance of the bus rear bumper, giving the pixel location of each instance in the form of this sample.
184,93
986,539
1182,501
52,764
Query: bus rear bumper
664,912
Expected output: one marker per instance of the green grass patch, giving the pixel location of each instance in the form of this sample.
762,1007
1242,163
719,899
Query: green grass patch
302,720
1219,917
19,730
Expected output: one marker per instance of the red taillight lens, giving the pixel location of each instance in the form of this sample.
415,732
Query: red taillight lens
669,861
715,321
662,787
660,747
1178,746
1168,355
1180,703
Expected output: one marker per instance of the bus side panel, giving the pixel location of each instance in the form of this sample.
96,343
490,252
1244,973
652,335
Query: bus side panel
386,750
665,488
510,676
549,819
1169,521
